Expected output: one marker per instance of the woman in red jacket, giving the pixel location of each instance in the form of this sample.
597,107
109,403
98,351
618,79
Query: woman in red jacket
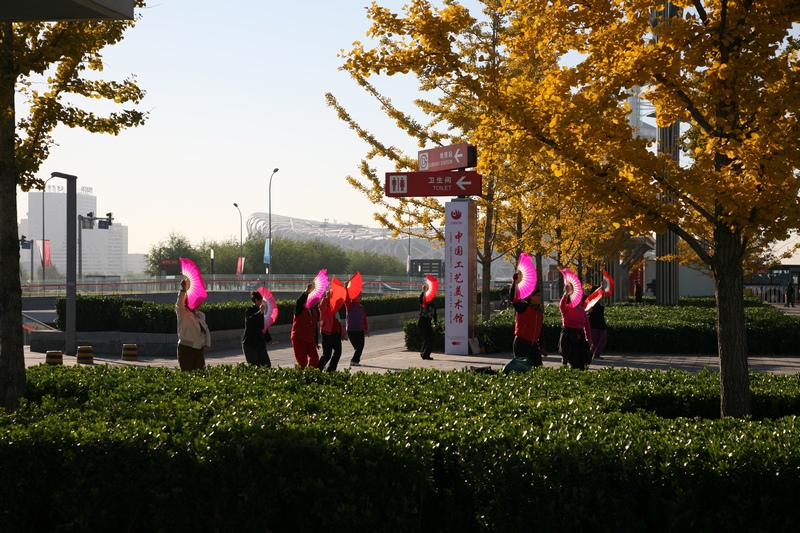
304,332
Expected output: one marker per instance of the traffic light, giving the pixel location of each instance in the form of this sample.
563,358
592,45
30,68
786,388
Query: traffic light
24,243
110,218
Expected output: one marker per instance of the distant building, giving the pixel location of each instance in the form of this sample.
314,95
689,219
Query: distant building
102,251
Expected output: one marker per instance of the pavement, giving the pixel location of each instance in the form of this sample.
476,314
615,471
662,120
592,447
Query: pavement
385,351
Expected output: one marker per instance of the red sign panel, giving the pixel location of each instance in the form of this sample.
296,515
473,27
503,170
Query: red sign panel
454,157
464,183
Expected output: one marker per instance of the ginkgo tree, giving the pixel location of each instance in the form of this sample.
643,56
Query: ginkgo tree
727,68
50,68
460,64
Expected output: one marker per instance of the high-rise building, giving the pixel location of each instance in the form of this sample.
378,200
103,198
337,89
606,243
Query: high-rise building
101,251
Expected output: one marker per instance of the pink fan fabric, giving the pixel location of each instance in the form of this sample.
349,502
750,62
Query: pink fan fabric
526,282
196,292
431,288
608,283
320,285
272,308
593,298
577,288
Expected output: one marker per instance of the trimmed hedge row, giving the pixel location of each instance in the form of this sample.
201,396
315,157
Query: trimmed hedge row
115,313
649,328
251,449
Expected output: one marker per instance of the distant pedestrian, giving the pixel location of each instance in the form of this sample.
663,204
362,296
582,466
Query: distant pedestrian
427,324
304,331
637,291
331,330
574,341
357,327
194,337
790,294
255,338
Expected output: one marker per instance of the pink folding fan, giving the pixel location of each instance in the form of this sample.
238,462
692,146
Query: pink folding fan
271,314
196,291
320,284
570,278
526,279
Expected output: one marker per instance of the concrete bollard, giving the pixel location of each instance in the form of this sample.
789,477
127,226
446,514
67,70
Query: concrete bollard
54,357
130,352
85,355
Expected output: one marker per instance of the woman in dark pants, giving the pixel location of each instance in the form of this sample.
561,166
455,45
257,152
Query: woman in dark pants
426,325
254,342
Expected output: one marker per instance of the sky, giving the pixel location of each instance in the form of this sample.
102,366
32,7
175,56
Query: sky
234,90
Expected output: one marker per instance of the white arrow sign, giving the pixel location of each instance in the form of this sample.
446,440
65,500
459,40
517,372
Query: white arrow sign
458,155
462,183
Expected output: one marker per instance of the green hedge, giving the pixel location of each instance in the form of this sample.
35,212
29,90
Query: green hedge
115,313
688,328
241,448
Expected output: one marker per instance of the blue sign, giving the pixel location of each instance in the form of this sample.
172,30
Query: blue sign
267,258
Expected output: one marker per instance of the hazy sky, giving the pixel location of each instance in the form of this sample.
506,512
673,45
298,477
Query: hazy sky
234,89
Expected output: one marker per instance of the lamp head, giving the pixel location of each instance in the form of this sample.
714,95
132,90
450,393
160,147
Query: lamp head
235,204
274,170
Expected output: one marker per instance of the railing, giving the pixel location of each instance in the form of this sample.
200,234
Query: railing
282,283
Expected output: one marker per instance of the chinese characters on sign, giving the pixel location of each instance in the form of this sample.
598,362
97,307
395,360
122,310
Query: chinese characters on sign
461,275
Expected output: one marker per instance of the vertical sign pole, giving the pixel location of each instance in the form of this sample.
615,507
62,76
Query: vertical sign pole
460,275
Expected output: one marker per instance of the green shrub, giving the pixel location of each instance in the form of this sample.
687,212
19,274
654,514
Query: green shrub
643,328
229,448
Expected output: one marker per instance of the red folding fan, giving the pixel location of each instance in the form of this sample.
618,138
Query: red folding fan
608,284
338,294
431,288
353,286
593,298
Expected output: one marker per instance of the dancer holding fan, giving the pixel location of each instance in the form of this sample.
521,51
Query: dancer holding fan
528,316
329,325
304,324
356,320
427,321
574,342
256,336
194,336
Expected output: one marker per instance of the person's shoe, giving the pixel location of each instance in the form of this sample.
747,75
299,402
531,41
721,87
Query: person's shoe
355,363
429,358
597,357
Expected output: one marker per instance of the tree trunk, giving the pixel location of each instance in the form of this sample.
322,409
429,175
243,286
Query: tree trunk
488,249
734,374
12,357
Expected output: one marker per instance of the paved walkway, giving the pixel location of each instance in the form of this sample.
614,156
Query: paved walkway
385,351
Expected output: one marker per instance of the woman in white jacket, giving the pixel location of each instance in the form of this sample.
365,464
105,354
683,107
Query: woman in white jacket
194,336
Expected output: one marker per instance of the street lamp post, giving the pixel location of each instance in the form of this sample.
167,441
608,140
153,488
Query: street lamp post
241,259
268,247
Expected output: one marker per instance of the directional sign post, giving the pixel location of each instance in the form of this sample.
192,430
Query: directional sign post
446,183
453,157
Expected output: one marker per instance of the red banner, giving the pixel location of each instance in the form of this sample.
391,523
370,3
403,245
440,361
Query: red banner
45,254
239,266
